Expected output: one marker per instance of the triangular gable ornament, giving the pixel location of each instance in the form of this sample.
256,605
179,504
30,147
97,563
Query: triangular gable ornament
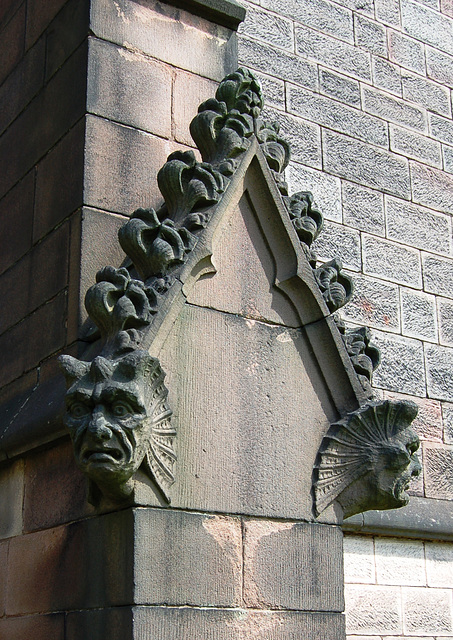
118,412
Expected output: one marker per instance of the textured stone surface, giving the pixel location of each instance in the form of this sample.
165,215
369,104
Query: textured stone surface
170,549
359,565
399,562
273,29
363,208
438,363
365,164
393,109
374,303
304,137
428,423
339,242
11,499
387,76
406,52
438,472
388,11
427,94
437,275
370,35
447,415
293,566
418,315
339,87
372,610
391,262
415,18
326,189
445,314
431,187
332,114
189,91
439,66
439,564
414,145
418,607
17,204
402,366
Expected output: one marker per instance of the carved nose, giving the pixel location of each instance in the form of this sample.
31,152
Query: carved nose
417,468
98,426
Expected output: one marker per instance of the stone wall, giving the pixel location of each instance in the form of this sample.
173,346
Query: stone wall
363,93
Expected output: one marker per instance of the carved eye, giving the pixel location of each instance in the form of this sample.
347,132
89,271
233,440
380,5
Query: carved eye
79,410
121,409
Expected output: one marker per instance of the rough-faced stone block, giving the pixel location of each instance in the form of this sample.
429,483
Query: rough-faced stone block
171,547
37,627
427,25
280,64
234,624
55,490
168,34
429,95
273,90
447,153
388,12
437,275
431,187
370,35
387,76
391,261
373,610
399,562
406,52
441,128
269,27
419,605
326,189
304,137
62,166
337,241
447,415
334,115
374,303
359,566
439,564
121,165
293,566
438,471
415,145
126,86
189,91
445,314
331,52
438,363
365,164
393,109
402,365
324,16
418,315
439,66
11,499
363,208
339,87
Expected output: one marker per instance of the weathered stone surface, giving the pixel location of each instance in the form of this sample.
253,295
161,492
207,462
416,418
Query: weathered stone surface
374,303
121,166
414,145
54,489
339,87
339,242
402,365
445,311
447,153
399,562
438,472
332,53
189,91
37,627
393,109
437,275
387,76
439,564
359,563
429,95
304,137
363,209
391,261
167,34
282,65
427,25
441,128
128,87
235,624
325,16
11,499
273,29
431,187
439,361
273,90
65,33
293,566
388,11
419,603
332,114
439,66
326,189
370,35
418,315
372,610
417,226
365,164
170,548
406,52
447,415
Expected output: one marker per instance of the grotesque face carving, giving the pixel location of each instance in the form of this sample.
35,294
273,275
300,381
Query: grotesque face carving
113,408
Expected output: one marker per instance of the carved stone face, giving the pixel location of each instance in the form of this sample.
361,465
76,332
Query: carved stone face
395,466
108,426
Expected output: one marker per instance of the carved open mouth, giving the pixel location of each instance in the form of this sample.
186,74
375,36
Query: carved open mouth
102,455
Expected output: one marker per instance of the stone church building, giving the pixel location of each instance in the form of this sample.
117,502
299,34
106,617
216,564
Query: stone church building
226,331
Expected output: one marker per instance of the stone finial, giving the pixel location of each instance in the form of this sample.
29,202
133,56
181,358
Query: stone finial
367,459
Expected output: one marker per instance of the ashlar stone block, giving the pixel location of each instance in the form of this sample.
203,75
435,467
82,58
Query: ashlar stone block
402,364
438,471
339,87
439,564
341,242
359,564
406,52
445,314
273,29
419,603
415,145
387,76
363,208
418,315
373,610
375,303
400,562
431,187
391,261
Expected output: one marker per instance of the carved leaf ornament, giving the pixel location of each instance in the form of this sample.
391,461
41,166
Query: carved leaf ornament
125,302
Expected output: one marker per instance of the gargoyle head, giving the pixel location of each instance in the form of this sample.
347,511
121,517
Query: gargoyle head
119,421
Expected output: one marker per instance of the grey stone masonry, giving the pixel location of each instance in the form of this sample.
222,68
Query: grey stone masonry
415,145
